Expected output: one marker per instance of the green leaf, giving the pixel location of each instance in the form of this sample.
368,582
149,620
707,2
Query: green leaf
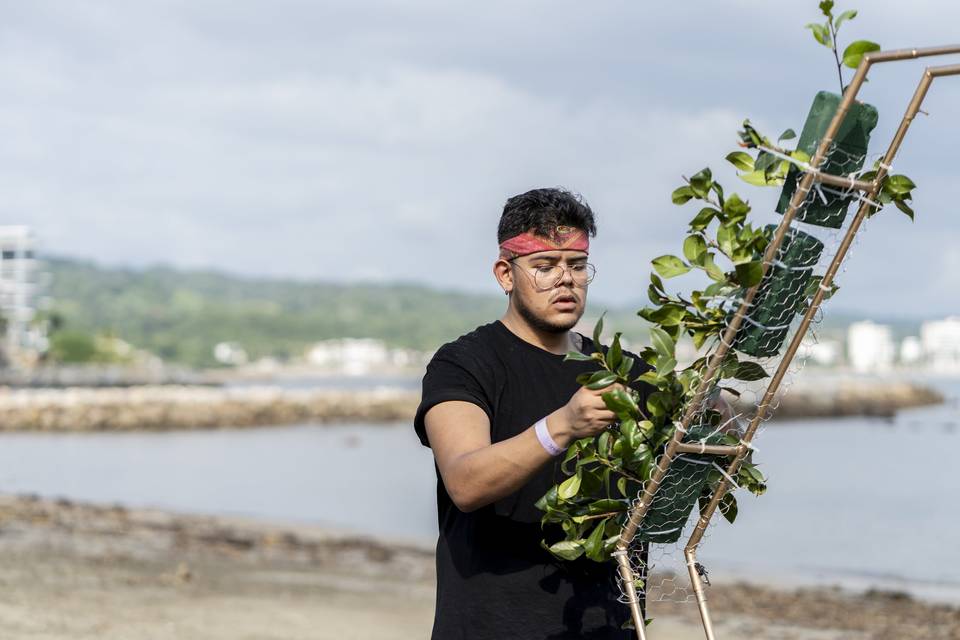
729,365
903,206
664,365
899,185
594,544
567,549
603,444
756,178
693,247
736,209
620,402
855,52
606,505
750,371
548,500
702,219
821,33
826,6
749,273
576,355
715,272
728,507
741,160
725,237
622,486
615,353
668,315
631,433
789,134
662,342
584,378
603,381
682,195
659,403
669,266
701,182
840,19
569,487
598,330
657,282
765,161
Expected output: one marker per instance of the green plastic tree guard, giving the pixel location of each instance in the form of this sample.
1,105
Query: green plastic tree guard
679,490
846,156
778,299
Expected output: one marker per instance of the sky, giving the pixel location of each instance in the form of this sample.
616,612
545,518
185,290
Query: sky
378,140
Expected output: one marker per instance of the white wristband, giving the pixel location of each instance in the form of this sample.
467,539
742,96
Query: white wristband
543,435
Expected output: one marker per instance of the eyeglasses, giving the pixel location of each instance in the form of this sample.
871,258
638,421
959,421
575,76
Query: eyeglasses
548,276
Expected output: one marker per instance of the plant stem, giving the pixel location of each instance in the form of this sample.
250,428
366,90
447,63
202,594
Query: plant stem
600,515
833,41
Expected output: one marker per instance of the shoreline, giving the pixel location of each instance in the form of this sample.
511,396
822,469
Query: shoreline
188,407
80,570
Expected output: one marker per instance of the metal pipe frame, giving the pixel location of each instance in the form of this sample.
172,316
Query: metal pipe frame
675,445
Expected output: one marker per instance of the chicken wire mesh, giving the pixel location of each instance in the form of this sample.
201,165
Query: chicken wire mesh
771,321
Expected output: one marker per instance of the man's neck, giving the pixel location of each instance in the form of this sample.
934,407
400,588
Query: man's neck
558,343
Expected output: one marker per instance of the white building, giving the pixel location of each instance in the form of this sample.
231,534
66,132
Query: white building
230,353
825,353
940,340
358,356
911,350
870,347
20,293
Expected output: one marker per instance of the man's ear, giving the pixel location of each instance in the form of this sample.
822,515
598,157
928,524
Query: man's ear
504,274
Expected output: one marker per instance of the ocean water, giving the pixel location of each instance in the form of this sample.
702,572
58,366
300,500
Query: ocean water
857,502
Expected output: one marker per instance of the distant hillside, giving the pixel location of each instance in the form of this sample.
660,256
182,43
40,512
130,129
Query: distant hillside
181,314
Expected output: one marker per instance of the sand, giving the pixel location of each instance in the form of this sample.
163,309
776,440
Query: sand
70,570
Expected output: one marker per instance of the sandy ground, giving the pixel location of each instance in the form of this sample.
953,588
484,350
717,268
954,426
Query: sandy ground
71,570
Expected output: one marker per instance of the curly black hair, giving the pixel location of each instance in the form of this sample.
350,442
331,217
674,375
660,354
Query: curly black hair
542,210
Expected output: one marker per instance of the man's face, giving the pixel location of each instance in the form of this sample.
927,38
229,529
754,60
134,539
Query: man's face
553,307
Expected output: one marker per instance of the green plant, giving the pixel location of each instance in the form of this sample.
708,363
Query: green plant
604,473
826,34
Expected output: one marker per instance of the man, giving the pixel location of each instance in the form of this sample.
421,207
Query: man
499,405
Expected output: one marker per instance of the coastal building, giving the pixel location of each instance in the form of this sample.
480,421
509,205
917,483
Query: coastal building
359,356
940,341
230,353
870,347
20,295
911,350
823,352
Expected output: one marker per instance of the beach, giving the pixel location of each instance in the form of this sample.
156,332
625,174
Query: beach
79,570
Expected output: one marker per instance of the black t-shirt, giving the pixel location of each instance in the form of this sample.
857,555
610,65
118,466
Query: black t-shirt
494,580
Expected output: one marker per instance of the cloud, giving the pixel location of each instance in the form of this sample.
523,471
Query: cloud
380,139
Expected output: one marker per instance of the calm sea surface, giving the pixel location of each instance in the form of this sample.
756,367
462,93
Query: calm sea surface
852,501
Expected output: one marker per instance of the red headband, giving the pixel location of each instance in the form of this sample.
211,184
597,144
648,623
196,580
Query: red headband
561,237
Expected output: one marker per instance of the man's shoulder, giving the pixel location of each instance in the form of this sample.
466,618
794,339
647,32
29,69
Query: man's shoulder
469,347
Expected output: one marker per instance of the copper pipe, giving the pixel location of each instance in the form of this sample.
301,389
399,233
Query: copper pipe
691,557
710,449
913,108
637,513
626,575
851,91
845,183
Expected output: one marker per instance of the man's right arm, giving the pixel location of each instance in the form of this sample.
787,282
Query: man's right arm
476,472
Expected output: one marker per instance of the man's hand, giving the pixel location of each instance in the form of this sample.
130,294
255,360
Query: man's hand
729,423
583,416
476,472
